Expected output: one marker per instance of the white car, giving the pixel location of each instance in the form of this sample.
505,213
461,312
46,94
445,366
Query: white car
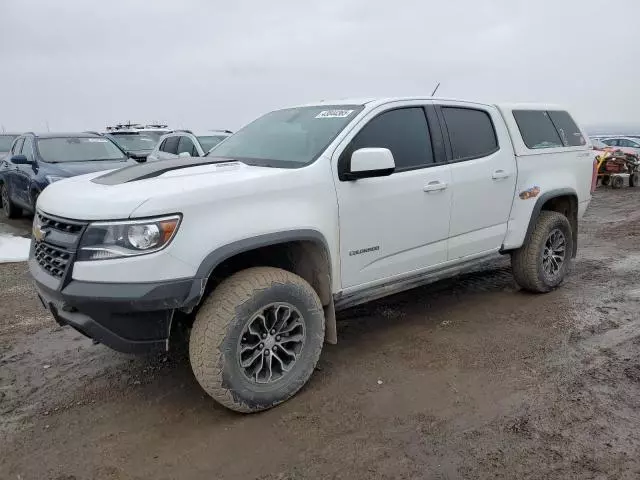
303,212
186,143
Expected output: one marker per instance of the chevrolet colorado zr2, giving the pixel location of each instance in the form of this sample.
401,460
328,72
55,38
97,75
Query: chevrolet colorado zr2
303,212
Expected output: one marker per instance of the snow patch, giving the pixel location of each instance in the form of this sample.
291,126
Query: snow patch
13,249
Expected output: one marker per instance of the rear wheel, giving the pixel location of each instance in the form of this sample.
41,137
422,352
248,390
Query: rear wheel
617,182
257,339
542,263
9,209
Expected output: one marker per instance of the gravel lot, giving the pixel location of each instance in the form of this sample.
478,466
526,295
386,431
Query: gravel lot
467,378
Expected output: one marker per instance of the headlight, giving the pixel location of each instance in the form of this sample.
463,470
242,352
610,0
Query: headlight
107,240
53,178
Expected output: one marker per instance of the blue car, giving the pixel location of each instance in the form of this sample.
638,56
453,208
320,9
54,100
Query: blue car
36,160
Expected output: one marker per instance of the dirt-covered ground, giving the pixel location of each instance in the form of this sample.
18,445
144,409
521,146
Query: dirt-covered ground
468,378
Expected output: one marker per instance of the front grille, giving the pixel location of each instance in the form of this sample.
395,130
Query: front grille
62,225
52,259
55,250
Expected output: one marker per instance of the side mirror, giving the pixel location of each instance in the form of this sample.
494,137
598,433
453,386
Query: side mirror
370,162
184,154
20,160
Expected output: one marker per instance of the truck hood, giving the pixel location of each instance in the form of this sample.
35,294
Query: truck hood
118,193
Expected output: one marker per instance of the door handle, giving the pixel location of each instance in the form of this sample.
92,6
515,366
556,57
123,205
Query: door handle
498,174
435,186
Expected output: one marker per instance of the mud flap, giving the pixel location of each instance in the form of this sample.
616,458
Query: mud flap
330,328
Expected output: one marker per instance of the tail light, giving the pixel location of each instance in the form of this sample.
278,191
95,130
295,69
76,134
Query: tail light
594,175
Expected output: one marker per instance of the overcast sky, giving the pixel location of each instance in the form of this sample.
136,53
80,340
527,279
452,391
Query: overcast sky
83,64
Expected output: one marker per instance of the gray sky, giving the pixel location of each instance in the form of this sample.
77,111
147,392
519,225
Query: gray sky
82,64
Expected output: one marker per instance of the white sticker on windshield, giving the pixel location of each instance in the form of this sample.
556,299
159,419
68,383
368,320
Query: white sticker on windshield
334,113
95,140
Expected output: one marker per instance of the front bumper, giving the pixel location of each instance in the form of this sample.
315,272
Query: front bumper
127,317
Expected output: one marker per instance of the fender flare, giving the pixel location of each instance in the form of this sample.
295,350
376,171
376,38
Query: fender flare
219,255
537,208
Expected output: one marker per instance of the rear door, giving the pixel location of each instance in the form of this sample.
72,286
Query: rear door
483,174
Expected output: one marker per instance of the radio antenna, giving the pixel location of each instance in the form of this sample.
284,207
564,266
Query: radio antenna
435,89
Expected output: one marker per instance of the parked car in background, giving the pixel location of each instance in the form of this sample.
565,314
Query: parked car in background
36,160
187,144
6,140
137,145
135,139
626,144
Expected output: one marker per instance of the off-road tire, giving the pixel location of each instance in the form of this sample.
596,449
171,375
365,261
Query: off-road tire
526,262
617,182
8,208
634,179
217,329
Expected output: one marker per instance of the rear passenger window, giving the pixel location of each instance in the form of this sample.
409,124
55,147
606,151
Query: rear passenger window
170,145
569,132
471,132
536,129
403,131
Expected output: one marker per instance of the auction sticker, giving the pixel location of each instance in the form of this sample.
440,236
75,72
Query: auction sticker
334,114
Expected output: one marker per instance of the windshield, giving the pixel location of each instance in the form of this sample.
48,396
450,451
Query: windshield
287,138
78,149
6,141
208,142
135,141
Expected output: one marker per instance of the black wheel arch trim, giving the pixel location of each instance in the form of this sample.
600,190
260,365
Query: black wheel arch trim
219,255
544,198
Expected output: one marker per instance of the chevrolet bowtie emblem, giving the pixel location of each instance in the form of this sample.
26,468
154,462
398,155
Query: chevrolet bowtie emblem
39,233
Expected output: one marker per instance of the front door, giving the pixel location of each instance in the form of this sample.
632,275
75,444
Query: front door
24,174
12,170
394,225
483,173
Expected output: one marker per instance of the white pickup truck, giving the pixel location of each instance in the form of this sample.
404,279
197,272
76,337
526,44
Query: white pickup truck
303,212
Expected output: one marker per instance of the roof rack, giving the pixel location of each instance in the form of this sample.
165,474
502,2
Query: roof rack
134,126
222,130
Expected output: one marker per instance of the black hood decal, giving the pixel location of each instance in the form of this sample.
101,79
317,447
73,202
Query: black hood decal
147,170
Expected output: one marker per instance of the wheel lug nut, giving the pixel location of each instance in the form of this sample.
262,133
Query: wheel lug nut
264,335
273,331
278,338
261,345
266,352
275,347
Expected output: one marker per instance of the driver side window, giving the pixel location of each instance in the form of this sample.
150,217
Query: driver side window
17,146
27,148
404,131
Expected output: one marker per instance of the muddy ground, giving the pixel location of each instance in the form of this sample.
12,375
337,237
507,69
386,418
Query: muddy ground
467,378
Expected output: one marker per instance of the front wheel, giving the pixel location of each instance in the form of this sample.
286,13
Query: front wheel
9,208
257,338
542,263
